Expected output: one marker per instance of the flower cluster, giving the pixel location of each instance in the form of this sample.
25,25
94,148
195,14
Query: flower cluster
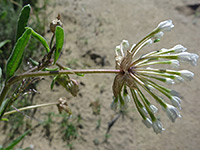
136,75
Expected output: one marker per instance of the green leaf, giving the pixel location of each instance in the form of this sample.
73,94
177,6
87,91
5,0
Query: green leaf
53,82
78,74
3,15
0,72
2,43
3,106
16,141
40,38
59,42
16,56
4,119
23,20
33,62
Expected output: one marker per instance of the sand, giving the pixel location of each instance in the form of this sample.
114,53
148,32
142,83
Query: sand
92,30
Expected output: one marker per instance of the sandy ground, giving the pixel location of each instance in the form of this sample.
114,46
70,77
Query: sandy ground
94,28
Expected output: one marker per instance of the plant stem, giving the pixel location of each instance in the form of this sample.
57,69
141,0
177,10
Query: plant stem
31,107
17,78
50,73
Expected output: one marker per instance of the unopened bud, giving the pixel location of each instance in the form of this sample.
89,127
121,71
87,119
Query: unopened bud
63,105
73,87
55,23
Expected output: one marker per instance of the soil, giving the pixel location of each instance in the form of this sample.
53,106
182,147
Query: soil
92,30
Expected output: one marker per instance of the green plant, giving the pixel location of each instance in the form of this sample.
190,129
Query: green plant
68,127
16,141
9,12
131,73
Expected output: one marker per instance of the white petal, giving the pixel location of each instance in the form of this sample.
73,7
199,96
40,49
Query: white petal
147,122
144,111
187,74
153,108
194,58
172,112
127,98
125,44
157,126
175,63
157,36
190,57
169,81
117,50
179,48
165,25
176,101
178,79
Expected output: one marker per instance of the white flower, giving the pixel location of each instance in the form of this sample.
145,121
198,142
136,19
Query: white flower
187,74
126,100
124,44
144,111
194,58
179,48
153,108
175,63
165,25
172,112
157,126
117,50
157,36
176,101
191,57
169,81
178,79
147,122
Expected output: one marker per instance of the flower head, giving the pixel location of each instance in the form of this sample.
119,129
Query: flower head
136,75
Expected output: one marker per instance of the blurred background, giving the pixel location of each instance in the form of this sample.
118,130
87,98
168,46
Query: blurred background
92,30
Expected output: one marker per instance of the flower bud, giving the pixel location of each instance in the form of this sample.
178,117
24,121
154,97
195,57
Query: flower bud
72,86
55,23
176,102
153,108
172,112
187,74
165,25
179,48
175,63
63,105
147,122
157,126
